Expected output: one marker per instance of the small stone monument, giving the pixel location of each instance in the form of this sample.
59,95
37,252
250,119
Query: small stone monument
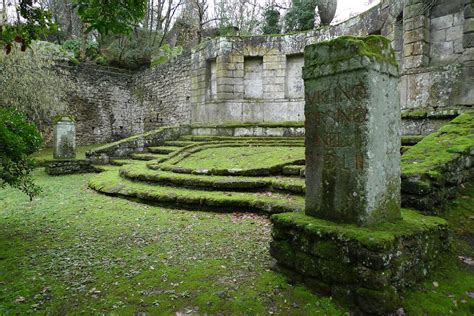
352,132
65,139
354,242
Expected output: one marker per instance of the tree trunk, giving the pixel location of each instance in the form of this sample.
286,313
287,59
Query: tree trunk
82,54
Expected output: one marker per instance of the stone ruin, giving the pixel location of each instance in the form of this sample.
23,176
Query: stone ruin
354,242
255,79
64,151
64,139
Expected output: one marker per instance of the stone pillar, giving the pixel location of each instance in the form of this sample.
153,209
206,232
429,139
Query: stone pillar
65,139
416,35
352,131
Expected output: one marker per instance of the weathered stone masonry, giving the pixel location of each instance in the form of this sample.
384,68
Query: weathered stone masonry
112,104
258,79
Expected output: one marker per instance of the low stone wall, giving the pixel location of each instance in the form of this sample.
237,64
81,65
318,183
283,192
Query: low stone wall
138,143
284,129
65,167
362,267
435,168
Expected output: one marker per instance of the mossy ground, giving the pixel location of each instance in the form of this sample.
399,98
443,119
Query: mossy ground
242,157
436,150
73,250
46,154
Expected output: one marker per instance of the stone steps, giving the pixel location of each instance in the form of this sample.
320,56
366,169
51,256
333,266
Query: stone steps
148,156
163,149
111,183
139,172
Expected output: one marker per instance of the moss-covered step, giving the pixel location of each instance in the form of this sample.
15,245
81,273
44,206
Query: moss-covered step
148,156
120,162
233,159
179,143
293,170
139,172
163,149
266,202
411,140
434,169
367,268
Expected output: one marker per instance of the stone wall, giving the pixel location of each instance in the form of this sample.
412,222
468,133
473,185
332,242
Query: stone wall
258,79
164,92
105,109
432,49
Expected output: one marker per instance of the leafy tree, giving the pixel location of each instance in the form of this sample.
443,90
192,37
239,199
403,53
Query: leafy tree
32,23
31,84
301,15
18,140
272,21
109,16
115,16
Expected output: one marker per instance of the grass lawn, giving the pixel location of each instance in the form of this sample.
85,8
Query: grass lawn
46,154
245,157
72,250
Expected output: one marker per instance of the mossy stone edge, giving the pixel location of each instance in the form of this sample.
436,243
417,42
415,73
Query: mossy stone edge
366,268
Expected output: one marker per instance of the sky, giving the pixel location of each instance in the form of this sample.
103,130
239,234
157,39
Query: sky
345,8
348,8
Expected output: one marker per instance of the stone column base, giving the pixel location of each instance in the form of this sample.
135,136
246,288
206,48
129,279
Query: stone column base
363,267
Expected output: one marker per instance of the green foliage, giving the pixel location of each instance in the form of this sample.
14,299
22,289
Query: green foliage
301,15
131,51
30,83
431,155
36,23
166,53
115,16
272,21
18,140
74,46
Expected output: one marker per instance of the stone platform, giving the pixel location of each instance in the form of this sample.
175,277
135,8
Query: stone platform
366,268
72,166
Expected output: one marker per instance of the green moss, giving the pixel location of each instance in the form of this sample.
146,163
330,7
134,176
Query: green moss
140,172
374,47
414,115
241,157
73,251
46,154
435,151
111,183
381,236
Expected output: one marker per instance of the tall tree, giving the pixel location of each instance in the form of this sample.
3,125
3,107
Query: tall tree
271,24
32,23
109,16
301,15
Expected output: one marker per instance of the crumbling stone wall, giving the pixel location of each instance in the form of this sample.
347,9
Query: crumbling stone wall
111,104
105,110
164,92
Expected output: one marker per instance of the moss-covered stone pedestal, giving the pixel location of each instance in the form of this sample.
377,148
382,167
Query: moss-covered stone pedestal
354,242
366,268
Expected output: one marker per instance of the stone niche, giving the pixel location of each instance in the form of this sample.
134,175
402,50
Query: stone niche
253,77
354,242
294,76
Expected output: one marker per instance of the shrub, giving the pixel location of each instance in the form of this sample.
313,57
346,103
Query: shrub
18,140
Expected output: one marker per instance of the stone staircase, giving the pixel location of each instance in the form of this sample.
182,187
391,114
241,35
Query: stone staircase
155,175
